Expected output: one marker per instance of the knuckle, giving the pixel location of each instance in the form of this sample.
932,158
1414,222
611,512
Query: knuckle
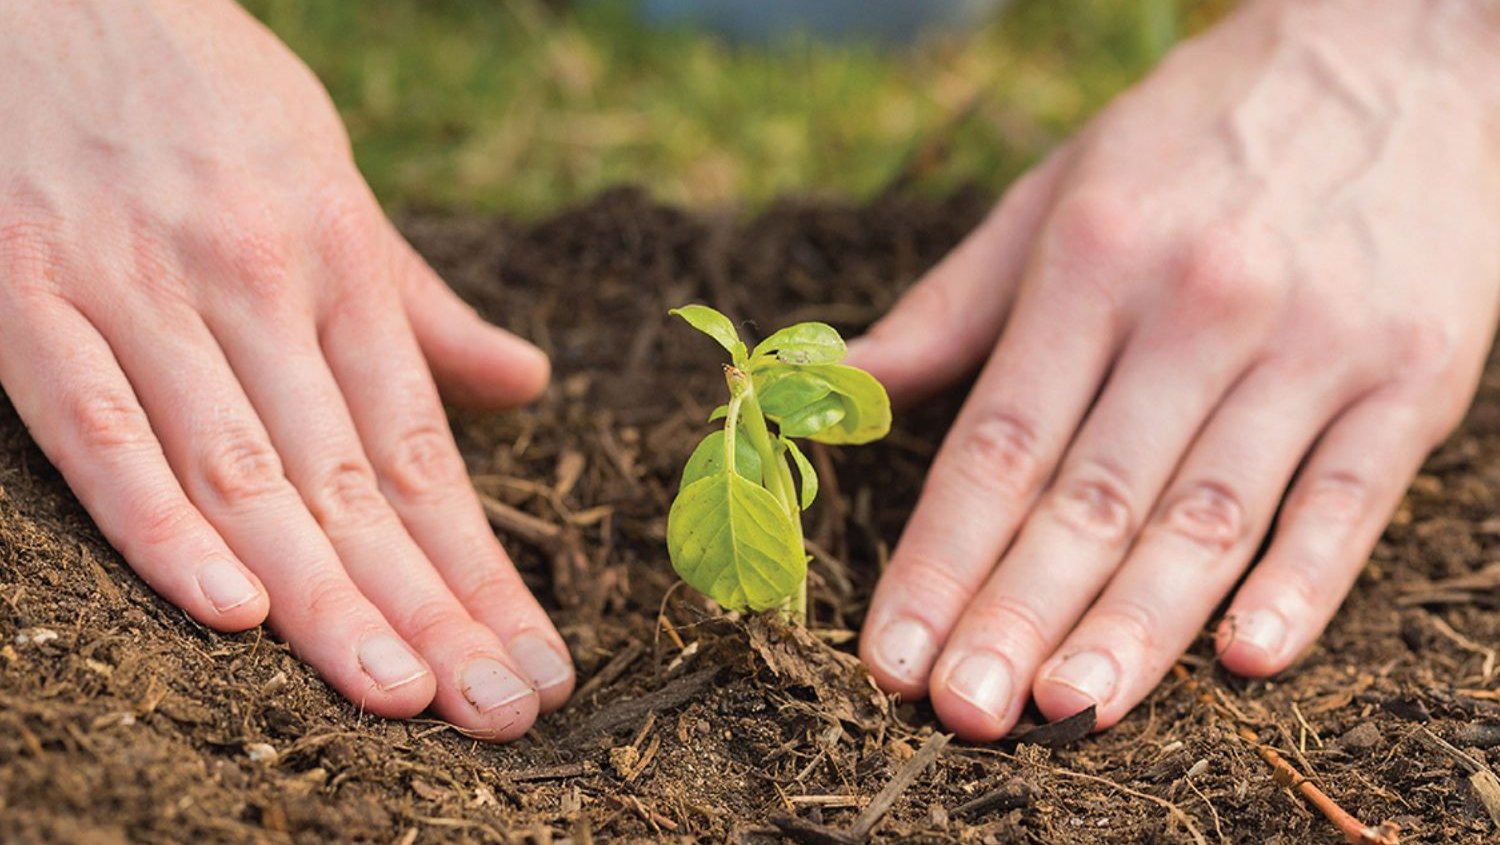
164,523
239,466
346,493
152,270
921,574
257,256
328,597
1131,621
1209,514
1426,349
423,463
345,236
488,587
1094,226
1218,277
1339,497
1019,621
431,620
998,453
27,244
109,420
1096,503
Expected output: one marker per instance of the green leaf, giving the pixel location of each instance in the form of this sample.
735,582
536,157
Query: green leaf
804,343
730,540
786,390
716,326
814,418
708,459
719,413
867,408
805,472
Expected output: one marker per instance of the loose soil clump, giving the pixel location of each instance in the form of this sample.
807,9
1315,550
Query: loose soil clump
122,721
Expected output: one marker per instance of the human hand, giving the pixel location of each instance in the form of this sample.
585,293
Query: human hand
1270,271
211,329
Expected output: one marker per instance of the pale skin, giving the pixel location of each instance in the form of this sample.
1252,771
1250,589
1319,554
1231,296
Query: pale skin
1280,251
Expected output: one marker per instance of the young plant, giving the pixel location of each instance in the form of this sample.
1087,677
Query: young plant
734,531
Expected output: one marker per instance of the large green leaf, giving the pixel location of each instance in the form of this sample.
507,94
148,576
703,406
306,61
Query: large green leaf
730,540
867,408
787,390
716,326
804,343
813,419
708,459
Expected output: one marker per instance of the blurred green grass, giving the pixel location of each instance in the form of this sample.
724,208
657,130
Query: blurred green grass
523,106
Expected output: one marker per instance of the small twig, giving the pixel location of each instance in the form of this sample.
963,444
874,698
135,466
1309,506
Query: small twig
1386,833
558,772
653,818
620,714
612,670
810,833
903,779
1015,793
1487,669
646,759
569,564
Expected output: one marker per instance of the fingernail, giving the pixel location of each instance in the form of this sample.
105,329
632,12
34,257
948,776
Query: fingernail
489,684
540,661
1092,673
1262,629
389,662
983,680
904,648
225,585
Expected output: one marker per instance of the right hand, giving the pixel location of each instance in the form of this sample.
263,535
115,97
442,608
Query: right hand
214,333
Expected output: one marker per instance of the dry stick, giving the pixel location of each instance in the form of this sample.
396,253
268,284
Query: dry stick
561,771
908,772
569,563
612,670
623,713
1355,831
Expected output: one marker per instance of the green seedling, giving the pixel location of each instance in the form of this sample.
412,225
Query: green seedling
734,532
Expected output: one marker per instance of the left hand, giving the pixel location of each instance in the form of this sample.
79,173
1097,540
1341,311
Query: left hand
1270,271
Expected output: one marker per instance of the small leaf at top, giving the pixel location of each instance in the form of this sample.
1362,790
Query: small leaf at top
785,390
719,413
716,326
804,343
814,418
730,539
708,459
805,472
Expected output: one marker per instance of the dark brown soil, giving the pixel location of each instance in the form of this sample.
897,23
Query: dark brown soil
121,720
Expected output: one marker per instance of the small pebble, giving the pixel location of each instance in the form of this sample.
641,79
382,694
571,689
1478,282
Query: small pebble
1361,739
35,636
260,752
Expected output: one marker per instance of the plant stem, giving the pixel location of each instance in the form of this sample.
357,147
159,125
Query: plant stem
777,477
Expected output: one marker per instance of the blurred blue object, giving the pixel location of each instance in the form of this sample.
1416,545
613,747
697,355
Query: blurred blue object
892,21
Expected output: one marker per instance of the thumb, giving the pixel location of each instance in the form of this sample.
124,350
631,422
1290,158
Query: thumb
475,364
947,322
